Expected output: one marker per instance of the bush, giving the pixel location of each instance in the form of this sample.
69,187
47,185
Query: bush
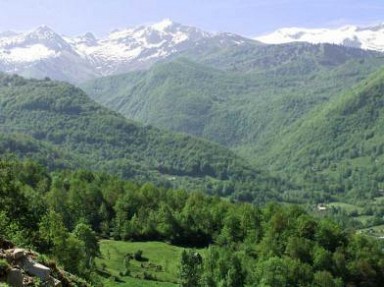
138,255
149,276
4,268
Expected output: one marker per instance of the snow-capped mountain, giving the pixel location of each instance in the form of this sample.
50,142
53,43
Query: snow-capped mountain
368,38
43,52
136,47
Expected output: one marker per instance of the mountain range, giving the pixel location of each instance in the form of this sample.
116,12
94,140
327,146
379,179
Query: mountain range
44,53
367,38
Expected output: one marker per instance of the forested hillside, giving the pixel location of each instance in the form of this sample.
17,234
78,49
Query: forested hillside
59,125
240,97
340,144
62,214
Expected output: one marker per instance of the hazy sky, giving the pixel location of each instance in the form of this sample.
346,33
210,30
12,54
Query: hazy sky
246,17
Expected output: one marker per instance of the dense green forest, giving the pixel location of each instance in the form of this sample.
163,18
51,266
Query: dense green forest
59,126
242,98
339,146
61,214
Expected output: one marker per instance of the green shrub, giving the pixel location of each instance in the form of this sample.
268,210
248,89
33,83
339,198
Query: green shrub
4,268
138,255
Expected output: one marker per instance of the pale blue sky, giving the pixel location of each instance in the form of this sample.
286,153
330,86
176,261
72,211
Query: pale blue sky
246,17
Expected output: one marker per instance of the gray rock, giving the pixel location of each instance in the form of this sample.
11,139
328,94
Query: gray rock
57,283
18,253
15,278
36,269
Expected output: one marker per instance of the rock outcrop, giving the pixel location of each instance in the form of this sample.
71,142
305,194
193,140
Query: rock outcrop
24,270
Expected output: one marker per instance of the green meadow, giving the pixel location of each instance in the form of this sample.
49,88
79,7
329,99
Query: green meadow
158,265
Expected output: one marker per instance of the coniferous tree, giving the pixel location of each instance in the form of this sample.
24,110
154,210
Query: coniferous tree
190,269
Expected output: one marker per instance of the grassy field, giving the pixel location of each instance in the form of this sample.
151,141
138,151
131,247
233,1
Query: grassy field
135,282
364,219
158,266
379,200
345,206
376,231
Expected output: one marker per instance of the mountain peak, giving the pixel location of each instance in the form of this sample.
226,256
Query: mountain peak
45,36
43,30
89,37
375,28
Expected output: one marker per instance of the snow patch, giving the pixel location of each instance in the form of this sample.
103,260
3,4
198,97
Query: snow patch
163,25
179,38
365,38
27,54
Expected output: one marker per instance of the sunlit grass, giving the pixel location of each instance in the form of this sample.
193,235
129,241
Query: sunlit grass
160,262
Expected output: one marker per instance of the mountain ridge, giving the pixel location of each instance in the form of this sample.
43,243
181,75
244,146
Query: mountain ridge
55,119
367,38
339,144
43,52
235,108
